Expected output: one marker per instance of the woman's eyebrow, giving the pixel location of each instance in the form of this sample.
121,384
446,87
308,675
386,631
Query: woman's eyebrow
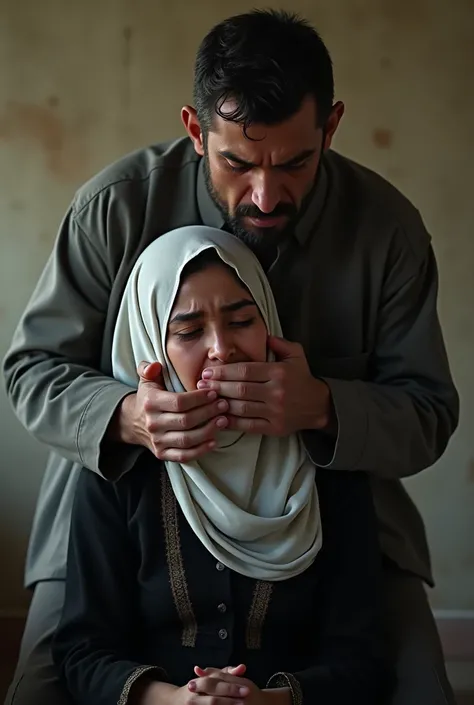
227,308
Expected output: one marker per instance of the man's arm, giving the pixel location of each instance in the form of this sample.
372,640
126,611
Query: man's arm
400,422
52,367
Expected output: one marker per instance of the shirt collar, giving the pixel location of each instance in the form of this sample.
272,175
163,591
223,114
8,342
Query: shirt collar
211,215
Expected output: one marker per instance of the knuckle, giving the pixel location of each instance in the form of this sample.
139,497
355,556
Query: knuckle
244,409
242,370
279,373
148,403
159,451
175,404
241,390
278,394
251,425
181,441
182,421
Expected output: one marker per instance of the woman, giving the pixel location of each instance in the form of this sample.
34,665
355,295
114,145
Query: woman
248,556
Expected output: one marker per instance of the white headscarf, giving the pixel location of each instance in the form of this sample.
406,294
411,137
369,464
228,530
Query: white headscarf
252,501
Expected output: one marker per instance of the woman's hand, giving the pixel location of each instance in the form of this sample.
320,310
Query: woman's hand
225,684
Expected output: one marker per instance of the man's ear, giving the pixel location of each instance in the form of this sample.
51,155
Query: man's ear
332,123
193,128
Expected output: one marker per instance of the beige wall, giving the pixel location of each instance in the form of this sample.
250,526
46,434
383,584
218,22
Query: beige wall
82,83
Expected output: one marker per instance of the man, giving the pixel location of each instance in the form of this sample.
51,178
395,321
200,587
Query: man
367,381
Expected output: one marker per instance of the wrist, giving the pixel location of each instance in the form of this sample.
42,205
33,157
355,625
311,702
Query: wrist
154,693
122,427
277,696
323,416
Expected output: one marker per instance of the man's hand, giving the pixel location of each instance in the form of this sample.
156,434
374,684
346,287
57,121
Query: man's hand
272,398
176,427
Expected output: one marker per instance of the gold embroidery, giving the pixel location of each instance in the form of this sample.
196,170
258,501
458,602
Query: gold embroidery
178,582
257,614
287,680
131,680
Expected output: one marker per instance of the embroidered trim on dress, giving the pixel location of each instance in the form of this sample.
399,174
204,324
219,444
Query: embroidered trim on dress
287,680
258,612
177,574
134,676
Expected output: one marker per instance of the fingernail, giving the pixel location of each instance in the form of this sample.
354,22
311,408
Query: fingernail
221,422
212,395
192,686
243,691
222,405
207,374
202,385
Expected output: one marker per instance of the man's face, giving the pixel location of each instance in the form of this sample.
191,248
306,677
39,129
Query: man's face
261,180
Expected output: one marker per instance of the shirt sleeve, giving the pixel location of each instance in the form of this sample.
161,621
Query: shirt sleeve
350,664
96,644
400,421
52,367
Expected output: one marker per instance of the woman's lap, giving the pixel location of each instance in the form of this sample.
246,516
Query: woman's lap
421,676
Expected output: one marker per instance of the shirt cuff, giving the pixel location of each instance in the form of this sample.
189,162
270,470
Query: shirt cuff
287,680
345,451
94,454
135,676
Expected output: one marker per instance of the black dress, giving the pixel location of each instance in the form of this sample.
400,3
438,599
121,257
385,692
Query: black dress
145,599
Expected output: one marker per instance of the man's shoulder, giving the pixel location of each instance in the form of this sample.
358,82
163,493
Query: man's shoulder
137,168
377,202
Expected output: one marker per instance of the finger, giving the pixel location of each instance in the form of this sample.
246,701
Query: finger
189,439
247,409
235,670
188,420
160,401
219,686
178,455
284,349
249,391
256,426
240,371
150,371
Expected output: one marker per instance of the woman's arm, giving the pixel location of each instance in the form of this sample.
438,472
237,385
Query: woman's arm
350,664
95,646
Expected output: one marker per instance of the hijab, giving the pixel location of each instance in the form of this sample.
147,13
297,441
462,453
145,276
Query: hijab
252,501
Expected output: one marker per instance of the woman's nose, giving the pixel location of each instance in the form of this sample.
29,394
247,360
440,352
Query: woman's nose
222,348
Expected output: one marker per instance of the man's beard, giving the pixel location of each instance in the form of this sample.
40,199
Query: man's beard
260,240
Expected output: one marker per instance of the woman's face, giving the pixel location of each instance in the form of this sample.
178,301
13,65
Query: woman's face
214,321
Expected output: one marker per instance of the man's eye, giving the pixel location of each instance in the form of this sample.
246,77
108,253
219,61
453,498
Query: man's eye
296,167
233,166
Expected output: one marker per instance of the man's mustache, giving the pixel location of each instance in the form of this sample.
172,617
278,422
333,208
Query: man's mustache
252,211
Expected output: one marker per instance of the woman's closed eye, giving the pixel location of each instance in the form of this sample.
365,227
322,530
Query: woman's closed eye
196,332
188,335
244,323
